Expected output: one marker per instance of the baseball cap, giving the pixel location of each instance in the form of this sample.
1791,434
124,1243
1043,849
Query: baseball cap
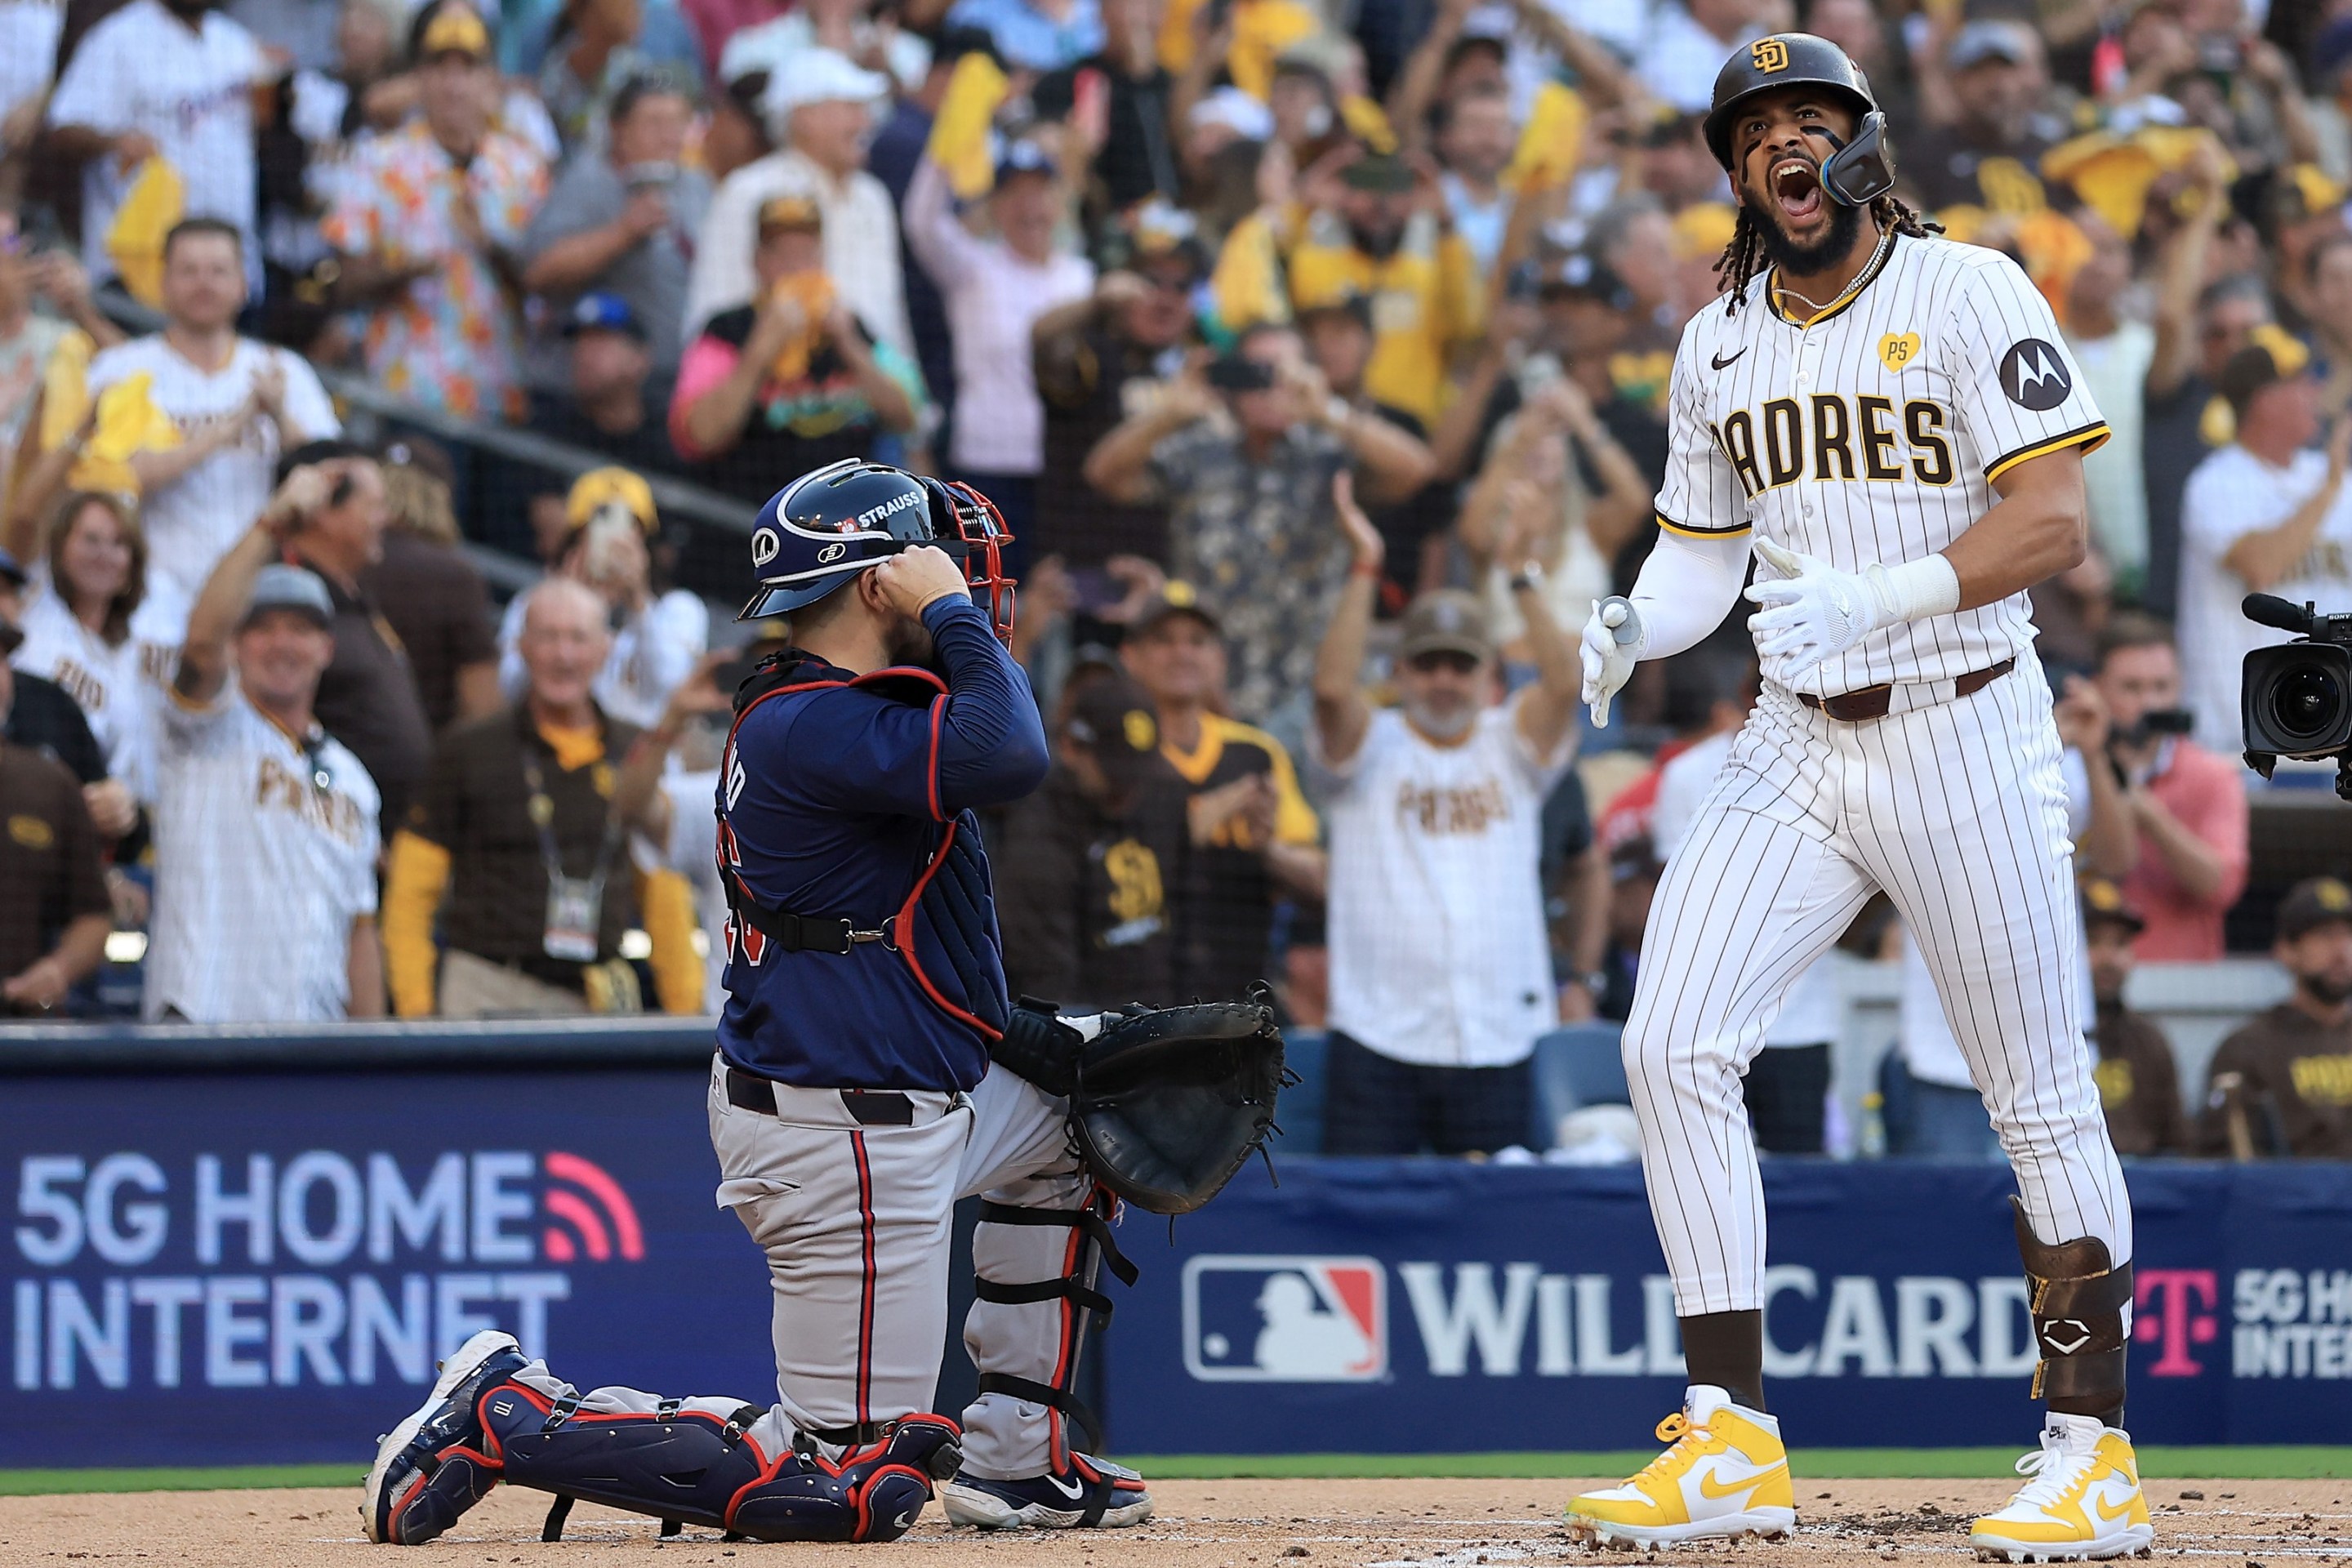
422,453
454,29
1156,233
1444,620
791,211
821,75
602,313
2311,903
1583,274
2273,356
1112,716
594,489
278,587
1021,156
1343,297
1989,40
2104,904
10,571
1178,597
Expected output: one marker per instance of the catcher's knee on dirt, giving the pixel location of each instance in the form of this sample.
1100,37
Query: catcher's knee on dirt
2077,1297
698,1463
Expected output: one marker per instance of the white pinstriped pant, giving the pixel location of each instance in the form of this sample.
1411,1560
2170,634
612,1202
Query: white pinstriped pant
1959,812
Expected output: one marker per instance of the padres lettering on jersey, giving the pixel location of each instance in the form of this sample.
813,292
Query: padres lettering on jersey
1874,431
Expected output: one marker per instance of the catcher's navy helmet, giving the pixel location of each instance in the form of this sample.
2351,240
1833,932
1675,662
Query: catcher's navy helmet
1860,171
828,525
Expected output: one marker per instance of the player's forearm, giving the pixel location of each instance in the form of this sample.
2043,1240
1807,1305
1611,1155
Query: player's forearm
2191,862
1340,713
82,946
1686,587
2109,845
1304,868
992,744
2033,533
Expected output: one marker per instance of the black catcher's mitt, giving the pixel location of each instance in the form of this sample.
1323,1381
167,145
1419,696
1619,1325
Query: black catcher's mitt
1165,1106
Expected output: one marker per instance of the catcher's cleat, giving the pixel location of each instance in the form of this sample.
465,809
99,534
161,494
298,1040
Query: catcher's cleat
434,1465
1092,1494
1723,1475
2083,1499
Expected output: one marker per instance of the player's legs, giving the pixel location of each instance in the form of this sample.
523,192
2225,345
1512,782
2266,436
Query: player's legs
1747,902
854,1215
1036,1255
1965,820
1754,894
495,1416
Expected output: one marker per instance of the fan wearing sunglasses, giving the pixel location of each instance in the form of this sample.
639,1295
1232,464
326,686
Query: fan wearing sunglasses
1441,969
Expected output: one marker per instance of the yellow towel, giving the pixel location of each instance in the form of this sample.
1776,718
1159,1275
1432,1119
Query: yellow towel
1248,284
157,199
958,143
1552,145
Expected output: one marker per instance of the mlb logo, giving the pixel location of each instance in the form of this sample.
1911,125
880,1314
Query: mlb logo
1252,1318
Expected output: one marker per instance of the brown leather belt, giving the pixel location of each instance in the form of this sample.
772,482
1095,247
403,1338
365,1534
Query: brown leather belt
1873,702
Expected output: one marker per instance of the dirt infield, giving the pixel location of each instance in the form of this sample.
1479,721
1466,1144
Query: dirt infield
1202,1525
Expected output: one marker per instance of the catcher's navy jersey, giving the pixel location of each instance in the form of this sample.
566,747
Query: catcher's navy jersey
852,796
1873,430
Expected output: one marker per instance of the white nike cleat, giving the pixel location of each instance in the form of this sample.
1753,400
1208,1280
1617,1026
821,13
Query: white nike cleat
1725,1476
2083,1499
1092,1494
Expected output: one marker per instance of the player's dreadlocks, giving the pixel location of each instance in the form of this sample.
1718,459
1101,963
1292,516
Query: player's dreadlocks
1744,257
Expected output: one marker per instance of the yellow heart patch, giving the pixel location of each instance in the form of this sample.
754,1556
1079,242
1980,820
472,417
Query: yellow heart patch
1897,349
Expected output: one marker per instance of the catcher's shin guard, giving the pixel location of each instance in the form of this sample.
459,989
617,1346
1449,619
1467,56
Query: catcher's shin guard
696,1462
1063,1252
2077,1297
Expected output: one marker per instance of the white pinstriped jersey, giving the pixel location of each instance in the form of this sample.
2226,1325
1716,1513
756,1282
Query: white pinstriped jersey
1874,433
261,868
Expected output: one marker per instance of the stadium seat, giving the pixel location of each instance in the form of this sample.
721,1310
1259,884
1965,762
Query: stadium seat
1574,1067
1300,1113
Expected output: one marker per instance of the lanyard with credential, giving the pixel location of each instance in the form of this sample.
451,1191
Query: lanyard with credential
575,905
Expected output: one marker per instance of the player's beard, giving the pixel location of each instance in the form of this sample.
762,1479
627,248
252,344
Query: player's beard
1442,725
1805,260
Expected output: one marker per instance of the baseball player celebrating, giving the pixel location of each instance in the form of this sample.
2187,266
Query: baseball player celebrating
1893,422
853,1099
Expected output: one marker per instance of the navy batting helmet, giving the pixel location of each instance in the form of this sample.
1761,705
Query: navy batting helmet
828,525
1860,171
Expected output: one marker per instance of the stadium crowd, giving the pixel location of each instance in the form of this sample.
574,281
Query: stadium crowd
1316,355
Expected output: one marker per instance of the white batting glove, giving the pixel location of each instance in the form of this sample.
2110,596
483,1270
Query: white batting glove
1614,639
1812,613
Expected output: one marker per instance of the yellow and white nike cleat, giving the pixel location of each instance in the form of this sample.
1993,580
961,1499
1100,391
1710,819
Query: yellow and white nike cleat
1724,1476
2083,1499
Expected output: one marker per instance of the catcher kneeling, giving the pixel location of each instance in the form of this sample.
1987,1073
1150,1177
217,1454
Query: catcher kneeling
870,1072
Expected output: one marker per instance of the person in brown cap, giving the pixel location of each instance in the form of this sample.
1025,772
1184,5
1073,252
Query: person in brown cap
1441,965
1083,895
2140,1085
2283,1085
1252,838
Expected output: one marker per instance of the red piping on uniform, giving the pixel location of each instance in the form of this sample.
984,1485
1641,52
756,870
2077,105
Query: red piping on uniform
939,710
866,1296
1058,1436
905,939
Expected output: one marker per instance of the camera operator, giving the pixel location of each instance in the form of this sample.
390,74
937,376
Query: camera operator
2187,805
2267,513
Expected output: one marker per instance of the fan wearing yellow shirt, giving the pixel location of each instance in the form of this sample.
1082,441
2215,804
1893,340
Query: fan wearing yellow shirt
1380,226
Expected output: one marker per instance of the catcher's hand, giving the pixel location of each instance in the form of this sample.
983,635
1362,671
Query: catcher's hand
1614,639
1813,611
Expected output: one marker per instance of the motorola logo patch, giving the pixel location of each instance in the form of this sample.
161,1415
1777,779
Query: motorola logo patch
2034,376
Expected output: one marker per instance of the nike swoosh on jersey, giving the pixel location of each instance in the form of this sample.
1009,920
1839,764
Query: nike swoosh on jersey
1719,361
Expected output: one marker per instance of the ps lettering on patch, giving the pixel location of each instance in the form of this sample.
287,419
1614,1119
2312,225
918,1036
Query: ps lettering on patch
2033,374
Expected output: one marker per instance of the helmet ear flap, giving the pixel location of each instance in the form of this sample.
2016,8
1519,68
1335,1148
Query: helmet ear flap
1861,171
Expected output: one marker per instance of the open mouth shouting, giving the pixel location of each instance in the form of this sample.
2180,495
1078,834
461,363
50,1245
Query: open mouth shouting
1796,187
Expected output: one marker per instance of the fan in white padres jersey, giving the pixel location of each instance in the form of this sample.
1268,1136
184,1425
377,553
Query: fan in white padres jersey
1892,424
